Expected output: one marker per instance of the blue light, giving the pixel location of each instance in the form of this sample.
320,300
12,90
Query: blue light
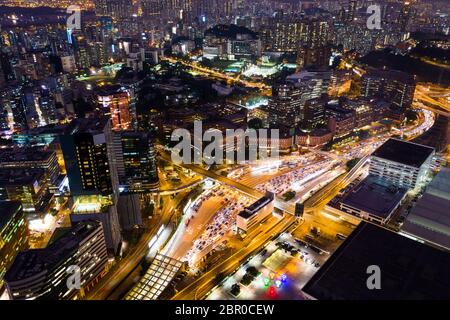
69,36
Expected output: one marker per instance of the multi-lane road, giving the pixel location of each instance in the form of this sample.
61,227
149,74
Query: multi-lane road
128,264
254,241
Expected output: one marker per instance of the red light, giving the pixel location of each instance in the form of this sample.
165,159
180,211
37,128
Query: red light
272,292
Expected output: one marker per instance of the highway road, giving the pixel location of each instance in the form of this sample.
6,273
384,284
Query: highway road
125,266
186,235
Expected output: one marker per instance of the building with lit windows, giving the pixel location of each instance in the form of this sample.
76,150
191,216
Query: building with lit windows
402,163
362,110
314,113
136,160
45,273
394,86
115,101
13,234
232,41
31,158
255,213
29,186
92,174
286,104
294,33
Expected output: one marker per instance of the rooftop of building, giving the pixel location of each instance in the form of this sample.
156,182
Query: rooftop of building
19,176
7,211
255,207
391,74
409,269
430,218
88,125
52,129
34,261
25,154
404,152
375,196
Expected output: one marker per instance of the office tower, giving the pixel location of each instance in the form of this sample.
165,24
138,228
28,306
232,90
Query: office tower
136,160
314,113
340,121
312,83
116,101
393,86
45,102
285,105
13,234
32,158
6,67
29,186
98,54
92,173
402,163
44,273
318,57
81,47
363,111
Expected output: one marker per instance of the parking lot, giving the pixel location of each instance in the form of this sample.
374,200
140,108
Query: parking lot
278,271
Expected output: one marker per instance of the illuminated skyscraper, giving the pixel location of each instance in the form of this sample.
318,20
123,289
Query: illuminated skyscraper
13,234
92,173
116,101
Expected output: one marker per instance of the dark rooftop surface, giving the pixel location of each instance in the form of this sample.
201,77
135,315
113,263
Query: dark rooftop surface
88,125
254,207
430,217
375,196
391,74
407,153
7,211
409,269
19,176
25,154
31,262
